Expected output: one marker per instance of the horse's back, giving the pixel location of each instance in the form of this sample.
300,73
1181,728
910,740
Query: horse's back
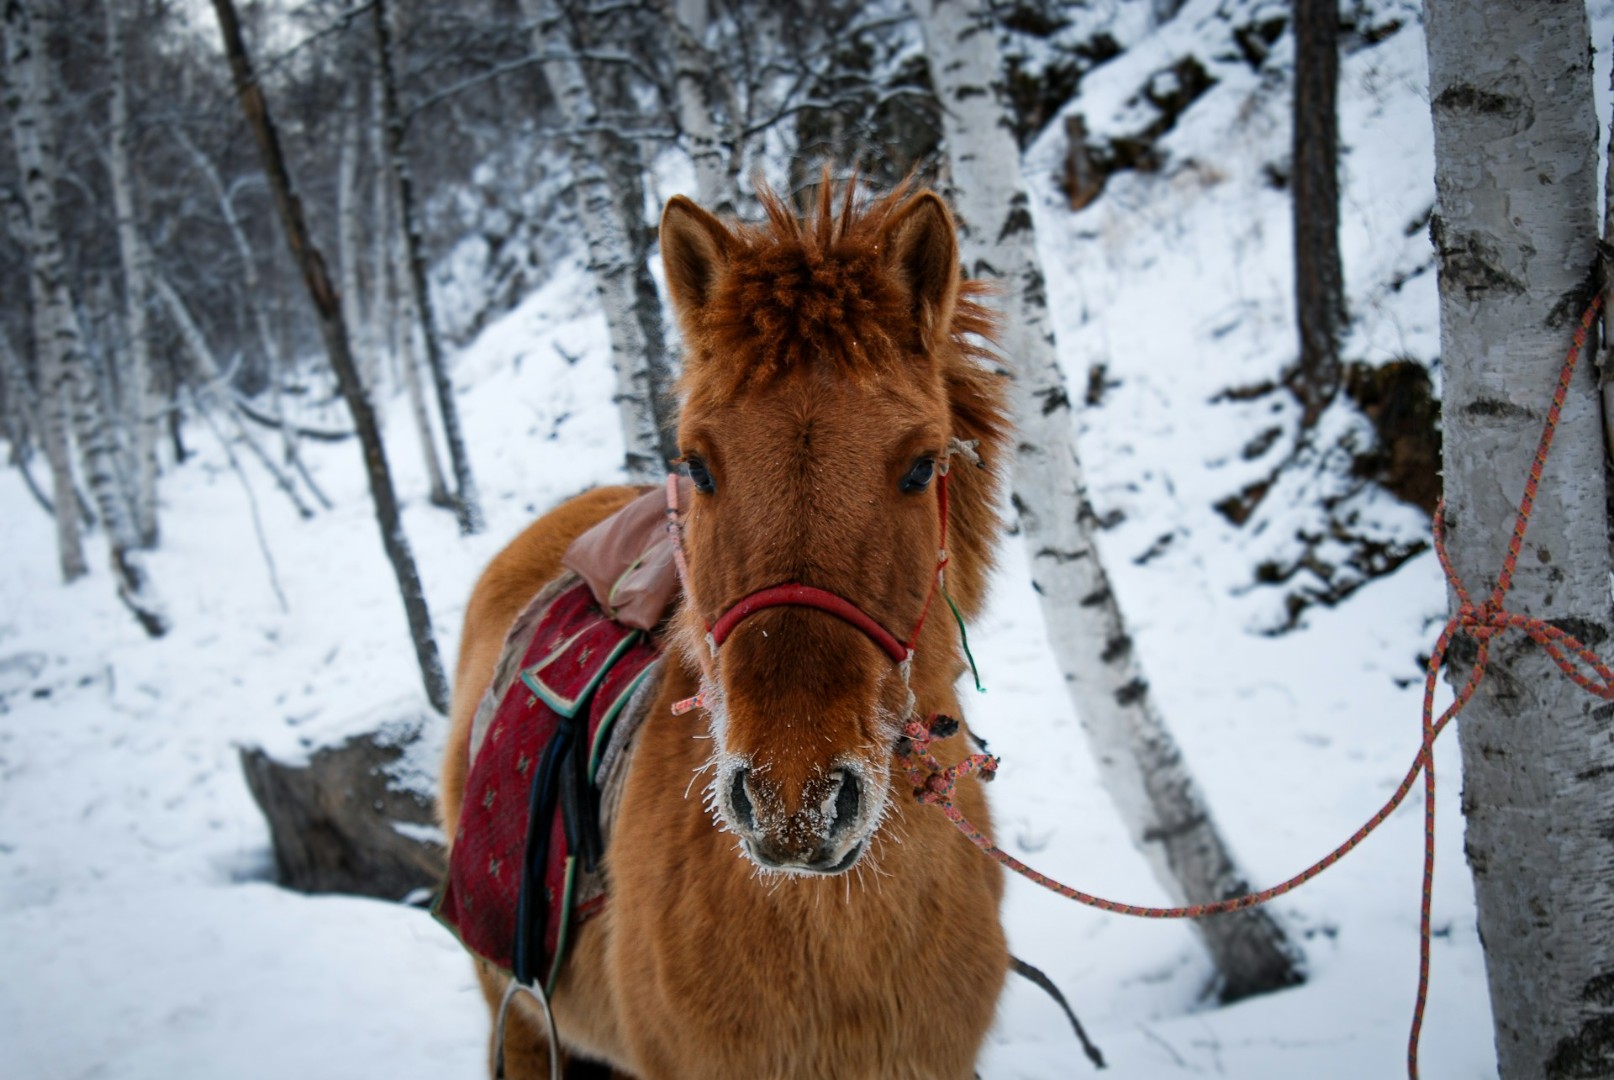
511,579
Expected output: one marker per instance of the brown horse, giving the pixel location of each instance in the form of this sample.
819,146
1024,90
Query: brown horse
779,905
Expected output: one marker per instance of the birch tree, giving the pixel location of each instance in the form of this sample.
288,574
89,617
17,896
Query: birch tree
50,419
1142,767
1515,235
270,351
20,411
647,428
693,68
144,408
467,505
64,363
328,309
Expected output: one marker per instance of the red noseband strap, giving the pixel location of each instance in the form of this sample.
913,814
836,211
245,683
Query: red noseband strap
807,596
794,595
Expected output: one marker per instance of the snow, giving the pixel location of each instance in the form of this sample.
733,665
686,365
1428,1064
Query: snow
141,936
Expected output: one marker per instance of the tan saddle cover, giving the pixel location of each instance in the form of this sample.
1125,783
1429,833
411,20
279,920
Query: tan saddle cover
627,560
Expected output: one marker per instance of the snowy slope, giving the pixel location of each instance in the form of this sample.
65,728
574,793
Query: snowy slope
141,939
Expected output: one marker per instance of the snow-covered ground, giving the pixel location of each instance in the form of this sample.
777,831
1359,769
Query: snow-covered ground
139,933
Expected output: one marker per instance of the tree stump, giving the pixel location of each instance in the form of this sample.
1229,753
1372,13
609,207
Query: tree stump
357,816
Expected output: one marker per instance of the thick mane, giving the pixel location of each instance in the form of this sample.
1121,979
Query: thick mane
801,293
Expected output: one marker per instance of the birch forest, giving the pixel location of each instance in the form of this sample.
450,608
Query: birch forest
260,236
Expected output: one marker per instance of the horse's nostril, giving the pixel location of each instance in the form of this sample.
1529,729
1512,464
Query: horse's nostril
740,801
846,802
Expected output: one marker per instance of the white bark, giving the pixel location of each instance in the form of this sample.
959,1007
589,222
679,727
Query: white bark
467,504
609,248
272,362
349,240
209,385
693,64
1141,765
1515,236
384,301
408,362
60,344
50,417
143,406
21,418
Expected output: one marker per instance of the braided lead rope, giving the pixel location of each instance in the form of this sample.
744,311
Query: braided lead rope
933,783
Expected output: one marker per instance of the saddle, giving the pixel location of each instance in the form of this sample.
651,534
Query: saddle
550,744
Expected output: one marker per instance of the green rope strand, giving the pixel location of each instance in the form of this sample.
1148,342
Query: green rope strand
964,638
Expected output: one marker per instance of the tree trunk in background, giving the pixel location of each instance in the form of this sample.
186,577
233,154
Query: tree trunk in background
143,405
408,362
1605,355
50,420
64,363
208,385
693,66
1319,279
21,417
467,505
272,363
329,310
1515,236
350,237
384,300
1142,767
611,249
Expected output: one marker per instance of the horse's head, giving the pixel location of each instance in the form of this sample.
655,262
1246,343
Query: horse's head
828,372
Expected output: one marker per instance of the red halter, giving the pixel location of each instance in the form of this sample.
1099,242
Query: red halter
792,594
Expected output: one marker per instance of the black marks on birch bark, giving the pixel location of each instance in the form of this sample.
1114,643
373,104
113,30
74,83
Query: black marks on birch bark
1496,407
1467,98
1588,1053
1174,831
1018,219
1054,399
1588,633
1471,263
1133,692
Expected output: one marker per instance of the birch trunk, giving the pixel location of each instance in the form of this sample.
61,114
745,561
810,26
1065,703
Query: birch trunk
349,238
408,364
209,389
64,361
50,417
1515,236
467,505
384,300
645,429
1142,767
693,66
272,363
329,312
144,406
21,417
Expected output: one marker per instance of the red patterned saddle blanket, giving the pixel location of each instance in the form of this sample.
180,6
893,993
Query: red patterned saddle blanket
549,737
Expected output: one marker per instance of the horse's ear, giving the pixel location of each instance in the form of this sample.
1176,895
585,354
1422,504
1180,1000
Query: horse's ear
921,245
695,246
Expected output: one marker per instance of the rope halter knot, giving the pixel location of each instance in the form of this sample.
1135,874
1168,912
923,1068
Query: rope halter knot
933,782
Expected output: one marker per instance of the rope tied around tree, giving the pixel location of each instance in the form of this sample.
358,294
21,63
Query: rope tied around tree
933,783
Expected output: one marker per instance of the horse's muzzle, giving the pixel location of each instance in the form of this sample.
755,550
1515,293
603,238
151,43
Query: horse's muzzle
827,834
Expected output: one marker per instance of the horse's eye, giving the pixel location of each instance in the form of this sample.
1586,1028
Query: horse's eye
918,477
699,476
